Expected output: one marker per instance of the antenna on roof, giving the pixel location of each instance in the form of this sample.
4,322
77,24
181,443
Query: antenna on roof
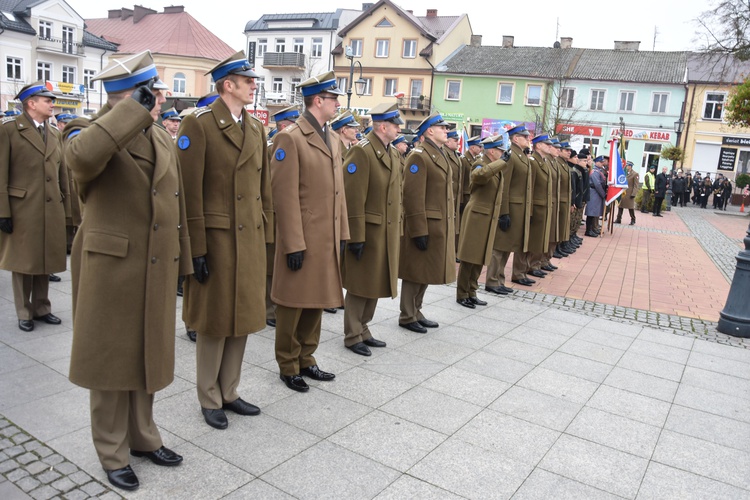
656,32
557,29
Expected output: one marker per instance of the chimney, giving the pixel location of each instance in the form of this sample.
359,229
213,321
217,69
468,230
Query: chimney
431,12
174,9
410,11
476,40
113,14
140,12
507,42
366,6
566,42
125,13
629,45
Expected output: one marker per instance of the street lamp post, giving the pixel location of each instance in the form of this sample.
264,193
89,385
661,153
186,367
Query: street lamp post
359,84
679,126
734,319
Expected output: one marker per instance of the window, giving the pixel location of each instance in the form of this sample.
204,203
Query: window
384,23
410,49
592,143
278,84
651,154
212,85
627,98
299,45
390,86
43,71
356,46
88,77
13,68
342,83
453,90
714,106
597,100
567,97
659,104
317,47
67,39
261,83
368,86
262,46
505,93
69,74
280,44
45,30
382,47
293,89
533,95
179,83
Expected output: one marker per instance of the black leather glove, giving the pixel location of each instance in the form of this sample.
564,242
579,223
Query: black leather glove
421,242
504,222
342,246
144,97
200,269
357,249
294,260
6,225
506,156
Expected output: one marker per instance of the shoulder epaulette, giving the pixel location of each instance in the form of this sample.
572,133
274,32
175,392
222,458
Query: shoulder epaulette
255,118
202,111
7,119
417,150
291,127
363,142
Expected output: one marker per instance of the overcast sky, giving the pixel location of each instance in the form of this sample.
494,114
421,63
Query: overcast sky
592,24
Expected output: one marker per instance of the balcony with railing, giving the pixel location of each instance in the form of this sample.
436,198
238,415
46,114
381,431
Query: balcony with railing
415,103
60,46
281,60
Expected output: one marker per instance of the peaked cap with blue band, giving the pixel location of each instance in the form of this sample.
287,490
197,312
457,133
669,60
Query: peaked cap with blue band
171,114
556,142
130,73
398,140
37,89
495,141
273,133
474,141
367,130
206,100
386,113
345,119
453,134
12,112
566,145
541,138
291,113
319,84
237,64
434,120
519,129
65,117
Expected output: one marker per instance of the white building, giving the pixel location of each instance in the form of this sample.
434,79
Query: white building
286,49
46,40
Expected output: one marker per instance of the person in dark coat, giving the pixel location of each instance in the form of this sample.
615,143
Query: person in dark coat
726,194
595,206
660,191
678,189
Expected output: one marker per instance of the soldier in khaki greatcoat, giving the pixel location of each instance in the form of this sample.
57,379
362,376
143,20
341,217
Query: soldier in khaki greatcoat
372,177
563,220
134,233
33,204
428,250
401,147
311,228
457,176
472,155
346,128
627,200
73,221
479,223
543,225
223,152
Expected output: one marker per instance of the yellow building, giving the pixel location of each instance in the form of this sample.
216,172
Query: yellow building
397,51
711,145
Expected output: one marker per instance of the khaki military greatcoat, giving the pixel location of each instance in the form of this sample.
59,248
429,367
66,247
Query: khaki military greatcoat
628,196
563,223
479,222
541,212
518,185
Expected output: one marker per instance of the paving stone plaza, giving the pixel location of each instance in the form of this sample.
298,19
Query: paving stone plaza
607,379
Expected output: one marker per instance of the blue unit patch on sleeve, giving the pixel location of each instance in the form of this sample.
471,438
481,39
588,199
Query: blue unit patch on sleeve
414,169
351,168
183,142
280,154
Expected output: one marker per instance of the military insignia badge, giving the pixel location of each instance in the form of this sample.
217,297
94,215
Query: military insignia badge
183,142
351,168
414,169
280,154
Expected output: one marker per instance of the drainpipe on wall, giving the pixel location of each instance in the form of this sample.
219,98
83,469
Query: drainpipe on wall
432,83
689,120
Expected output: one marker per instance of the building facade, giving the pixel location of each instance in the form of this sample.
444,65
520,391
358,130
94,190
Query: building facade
46,40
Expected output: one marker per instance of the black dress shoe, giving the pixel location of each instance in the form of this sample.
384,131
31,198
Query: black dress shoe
295,383
549,267
162,456
466,303
373,342
360,348
26,325
590,234
123,478
241,407
632,222
427,323
507,289
618,221
331,310
271,323
216,418
191,334
316,373
496,289
477,302
49,318
556,254
414,327
538,274
524,282
54,278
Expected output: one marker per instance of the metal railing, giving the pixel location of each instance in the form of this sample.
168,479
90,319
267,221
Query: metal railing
284,59
415,102
60,46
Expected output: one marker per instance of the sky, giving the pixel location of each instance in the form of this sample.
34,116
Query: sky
591,24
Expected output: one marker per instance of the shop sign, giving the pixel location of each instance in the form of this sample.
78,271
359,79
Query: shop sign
260,114
727,157
648,135
453,117
584,130
492,127
735,141
65,88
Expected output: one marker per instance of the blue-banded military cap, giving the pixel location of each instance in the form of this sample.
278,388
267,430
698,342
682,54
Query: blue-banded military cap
453,134
36,89
398,140
236,64
272,133
598,159
65,117
629,163
206,100
434,120
359,136
345,119
494,141
291,113
125,74
415,140
555,142
519,130
171,114
367,130
12,112
566,145
319,84
474,141
541,138
386,113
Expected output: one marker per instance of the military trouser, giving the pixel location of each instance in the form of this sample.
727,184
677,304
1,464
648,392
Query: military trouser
496,269
297,338
218,369
468,280
31,295
412,295
358,312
